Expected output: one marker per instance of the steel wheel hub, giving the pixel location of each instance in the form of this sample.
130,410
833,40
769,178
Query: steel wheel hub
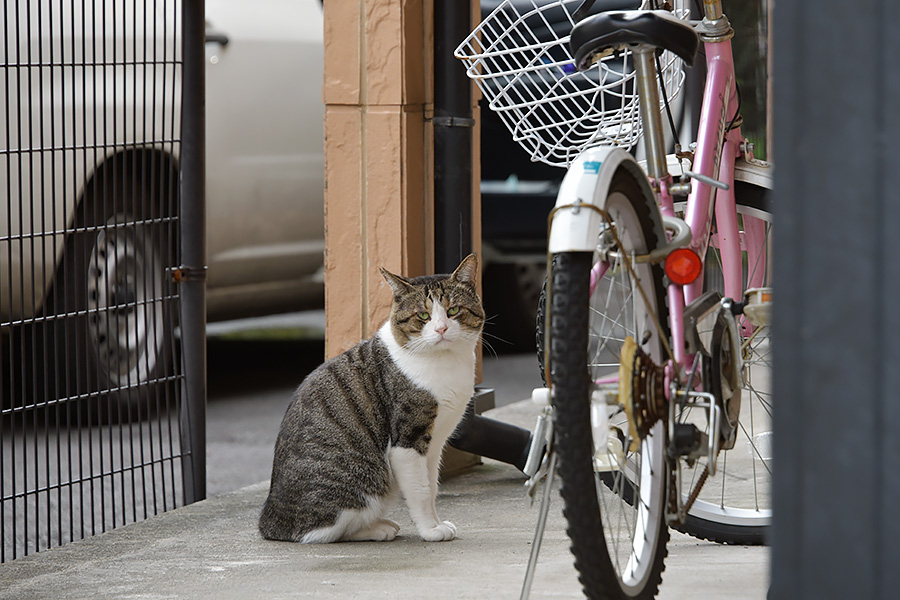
125,324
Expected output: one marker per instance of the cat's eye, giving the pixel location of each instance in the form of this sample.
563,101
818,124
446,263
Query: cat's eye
424,316
454,310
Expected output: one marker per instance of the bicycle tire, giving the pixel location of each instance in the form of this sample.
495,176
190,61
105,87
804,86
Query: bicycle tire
744,518
625,560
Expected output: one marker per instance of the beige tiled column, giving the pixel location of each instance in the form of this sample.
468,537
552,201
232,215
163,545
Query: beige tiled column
378,164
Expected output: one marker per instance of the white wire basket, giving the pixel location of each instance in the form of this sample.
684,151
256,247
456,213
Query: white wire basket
520,58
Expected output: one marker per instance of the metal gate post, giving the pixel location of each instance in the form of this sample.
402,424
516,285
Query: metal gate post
193,253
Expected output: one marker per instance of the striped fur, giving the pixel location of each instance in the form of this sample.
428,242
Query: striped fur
369,425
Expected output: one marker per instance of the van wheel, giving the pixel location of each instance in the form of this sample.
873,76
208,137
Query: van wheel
116,304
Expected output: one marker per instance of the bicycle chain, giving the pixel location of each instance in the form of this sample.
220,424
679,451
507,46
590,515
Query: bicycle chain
696,491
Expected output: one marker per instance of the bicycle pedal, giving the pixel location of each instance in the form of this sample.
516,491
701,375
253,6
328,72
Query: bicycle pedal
758,306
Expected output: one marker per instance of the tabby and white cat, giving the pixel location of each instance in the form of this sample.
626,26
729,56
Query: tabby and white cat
371,423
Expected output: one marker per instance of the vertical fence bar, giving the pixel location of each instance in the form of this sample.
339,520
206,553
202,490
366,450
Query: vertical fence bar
193,249
7,364
168,126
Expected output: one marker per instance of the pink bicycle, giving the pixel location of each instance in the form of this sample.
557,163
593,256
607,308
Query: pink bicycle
653,327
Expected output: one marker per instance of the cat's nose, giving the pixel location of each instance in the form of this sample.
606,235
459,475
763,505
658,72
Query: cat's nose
441,329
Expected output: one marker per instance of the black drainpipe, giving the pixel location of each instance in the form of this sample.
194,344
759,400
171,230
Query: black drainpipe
453,125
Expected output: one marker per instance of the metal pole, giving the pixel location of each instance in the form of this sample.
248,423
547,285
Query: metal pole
193,253
654,138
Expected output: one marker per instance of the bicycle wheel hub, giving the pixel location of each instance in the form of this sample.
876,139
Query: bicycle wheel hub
641,391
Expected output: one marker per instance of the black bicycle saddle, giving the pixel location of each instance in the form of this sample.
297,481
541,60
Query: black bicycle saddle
603,33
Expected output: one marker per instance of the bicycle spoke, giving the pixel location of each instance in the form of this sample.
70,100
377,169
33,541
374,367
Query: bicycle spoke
755,449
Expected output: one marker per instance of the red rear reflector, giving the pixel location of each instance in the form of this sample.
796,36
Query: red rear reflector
683,266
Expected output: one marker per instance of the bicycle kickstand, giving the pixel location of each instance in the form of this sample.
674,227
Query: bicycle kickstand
543,433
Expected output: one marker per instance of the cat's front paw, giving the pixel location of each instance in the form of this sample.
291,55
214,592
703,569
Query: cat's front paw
442,532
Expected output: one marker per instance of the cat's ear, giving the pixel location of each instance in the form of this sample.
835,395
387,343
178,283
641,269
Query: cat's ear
398,284
467,271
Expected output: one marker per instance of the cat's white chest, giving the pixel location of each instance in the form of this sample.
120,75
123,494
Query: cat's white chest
449,376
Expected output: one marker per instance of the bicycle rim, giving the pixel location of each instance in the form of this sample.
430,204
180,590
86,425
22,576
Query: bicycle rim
614,499
734,504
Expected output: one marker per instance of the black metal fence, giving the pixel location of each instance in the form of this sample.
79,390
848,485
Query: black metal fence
100,418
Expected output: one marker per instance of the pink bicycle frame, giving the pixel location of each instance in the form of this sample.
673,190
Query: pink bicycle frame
717,149
719,145
715,159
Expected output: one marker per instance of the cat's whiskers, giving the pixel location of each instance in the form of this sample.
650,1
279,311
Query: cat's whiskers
469,336
495,337
487,346
417,345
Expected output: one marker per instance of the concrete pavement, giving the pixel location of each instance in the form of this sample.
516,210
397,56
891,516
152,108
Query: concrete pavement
212,550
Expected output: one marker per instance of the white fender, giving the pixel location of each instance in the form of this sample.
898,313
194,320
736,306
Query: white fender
587,181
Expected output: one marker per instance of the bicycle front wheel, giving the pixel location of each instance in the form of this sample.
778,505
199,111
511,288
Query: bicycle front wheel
614,498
